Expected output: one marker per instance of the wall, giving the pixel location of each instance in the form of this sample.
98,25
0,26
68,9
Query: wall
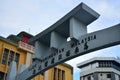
26,58
4,44
89,66
49,75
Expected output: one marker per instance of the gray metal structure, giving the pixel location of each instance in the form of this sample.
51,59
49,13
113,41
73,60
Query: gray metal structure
52,47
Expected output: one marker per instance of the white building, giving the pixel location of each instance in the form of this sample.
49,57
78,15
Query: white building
100,68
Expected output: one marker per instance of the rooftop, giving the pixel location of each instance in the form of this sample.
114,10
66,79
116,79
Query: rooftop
98,59
24,33
8,41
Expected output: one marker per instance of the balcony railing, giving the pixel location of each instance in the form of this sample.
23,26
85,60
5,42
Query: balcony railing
26,47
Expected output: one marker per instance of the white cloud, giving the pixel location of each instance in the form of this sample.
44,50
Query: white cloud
109,14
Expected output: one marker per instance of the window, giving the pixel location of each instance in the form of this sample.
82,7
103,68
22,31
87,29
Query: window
11,56
17,56
105,64
5,56
109,75
55,71
63,75
1,75
83,78
88,78
59,74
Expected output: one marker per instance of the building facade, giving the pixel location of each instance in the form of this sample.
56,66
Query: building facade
100,68
60,72
16,48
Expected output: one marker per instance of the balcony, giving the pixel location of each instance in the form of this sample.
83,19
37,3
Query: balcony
25,46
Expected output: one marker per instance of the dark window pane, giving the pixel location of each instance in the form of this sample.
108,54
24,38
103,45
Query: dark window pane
59,74
55,72
108,75
1,75
88,78
5,56
17,56
11,56
63,75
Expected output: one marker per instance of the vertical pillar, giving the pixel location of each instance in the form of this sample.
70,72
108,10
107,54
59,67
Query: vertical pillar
12,71
28,59
46,75
56,40
77,29
41,50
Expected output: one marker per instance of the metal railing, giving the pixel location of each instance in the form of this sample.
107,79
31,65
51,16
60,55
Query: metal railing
26,46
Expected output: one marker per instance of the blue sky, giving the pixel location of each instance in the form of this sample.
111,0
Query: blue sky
34,16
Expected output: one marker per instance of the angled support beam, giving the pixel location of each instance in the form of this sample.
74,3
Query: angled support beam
22,68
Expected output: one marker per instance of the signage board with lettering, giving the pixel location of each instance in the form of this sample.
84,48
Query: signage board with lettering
86,43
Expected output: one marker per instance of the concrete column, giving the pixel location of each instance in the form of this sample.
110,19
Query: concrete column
28,59
12,71
41,50
46,75
77,29
56,40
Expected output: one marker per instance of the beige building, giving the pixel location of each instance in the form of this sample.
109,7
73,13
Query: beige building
100,68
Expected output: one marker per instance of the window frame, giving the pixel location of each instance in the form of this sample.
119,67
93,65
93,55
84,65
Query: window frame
108,75
8,56
3,52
